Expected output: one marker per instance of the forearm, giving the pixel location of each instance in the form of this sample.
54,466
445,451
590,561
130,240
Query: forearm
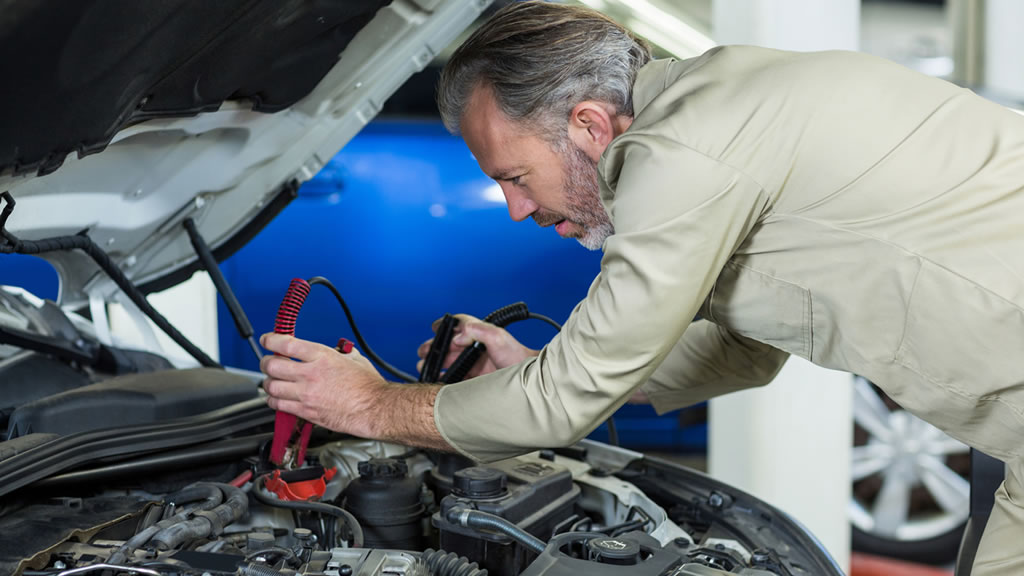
404,414
710,361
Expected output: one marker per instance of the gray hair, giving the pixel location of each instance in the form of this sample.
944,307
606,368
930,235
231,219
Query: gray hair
541,60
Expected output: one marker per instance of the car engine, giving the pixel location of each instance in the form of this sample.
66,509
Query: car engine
383,510
114,464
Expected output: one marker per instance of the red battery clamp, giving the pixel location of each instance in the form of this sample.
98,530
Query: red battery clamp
291,434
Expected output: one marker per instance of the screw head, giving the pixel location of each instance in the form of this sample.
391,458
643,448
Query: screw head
715,500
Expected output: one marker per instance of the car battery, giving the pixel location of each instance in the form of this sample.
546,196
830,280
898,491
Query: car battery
536,495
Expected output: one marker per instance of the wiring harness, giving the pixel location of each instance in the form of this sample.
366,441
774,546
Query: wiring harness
11,244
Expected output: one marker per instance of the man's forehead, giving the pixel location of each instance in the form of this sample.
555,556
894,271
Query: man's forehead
496,141
484,118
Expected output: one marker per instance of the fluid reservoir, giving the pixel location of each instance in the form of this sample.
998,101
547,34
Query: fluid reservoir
534,494
387,504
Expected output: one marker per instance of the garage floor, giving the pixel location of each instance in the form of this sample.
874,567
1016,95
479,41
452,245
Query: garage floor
863,565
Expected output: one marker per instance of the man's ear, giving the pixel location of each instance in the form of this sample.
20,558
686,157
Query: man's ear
592,127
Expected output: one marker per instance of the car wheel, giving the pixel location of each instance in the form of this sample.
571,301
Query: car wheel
911,496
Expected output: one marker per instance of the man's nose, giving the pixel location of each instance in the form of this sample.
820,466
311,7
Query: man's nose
520,207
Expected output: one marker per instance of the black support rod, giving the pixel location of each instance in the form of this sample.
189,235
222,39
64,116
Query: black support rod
223,288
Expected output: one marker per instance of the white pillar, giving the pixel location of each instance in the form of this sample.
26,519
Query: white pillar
190,306
1004,48
789,443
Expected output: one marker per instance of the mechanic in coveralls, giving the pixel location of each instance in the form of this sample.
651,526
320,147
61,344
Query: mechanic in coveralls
830,205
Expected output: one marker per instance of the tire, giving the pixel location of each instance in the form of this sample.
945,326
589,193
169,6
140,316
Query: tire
911,494
940,550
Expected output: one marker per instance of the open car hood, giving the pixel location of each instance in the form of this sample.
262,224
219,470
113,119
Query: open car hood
121,119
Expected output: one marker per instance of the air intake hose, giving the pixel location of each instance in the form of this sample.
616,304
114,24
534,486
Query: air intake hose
441,563
486,522
205,523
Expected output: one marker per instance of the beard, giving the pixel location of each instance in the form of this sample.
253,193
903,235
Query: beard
583,199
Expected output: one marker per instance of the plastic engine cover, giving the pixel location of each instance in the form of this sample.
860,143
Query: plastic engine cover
536,495
132,399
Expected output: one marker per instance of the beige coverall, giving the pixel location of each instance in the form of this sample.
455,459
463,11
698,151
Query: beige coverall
830,205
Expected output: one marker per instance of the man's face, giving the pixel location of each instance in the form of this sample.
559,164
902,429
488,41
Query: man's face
555,187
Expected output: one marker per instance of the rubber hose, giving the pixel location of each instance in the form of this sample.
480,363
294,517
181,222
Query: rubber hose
213,545
320,507
210,494
129,547
489,522
205,523
441,563
202,496
133,543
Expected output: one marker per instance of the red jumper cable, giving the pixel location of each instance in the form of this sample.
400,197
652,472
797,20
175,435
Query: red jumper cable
291,434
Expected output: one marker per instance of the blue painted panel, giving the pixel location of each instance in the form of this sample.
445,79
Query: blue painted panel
31,273
403,222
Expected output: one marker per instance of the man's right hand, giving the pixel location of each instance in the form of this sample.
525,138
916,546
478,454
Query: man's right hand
502,348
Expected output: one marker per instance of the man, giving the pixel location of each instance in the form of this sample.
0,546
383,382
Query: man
829,205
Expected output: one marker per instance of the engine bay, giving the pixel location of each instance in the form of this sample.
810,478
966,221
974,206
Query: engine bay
372,508
130,468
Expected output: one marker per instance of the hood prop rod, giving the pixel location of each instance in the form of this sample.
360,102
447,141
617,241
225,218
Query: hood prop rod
209,263
13,245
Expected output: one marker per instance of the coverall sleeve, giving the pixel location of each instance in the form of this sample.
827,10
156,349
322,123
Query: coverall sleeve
710,361
679,215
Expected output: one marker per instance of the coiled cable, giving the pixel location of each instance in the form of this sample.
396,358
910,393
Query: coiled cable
509,314
501,317
291,304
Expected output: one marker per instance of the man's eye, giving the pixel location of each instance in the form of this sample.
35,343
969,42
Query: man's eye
516,181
